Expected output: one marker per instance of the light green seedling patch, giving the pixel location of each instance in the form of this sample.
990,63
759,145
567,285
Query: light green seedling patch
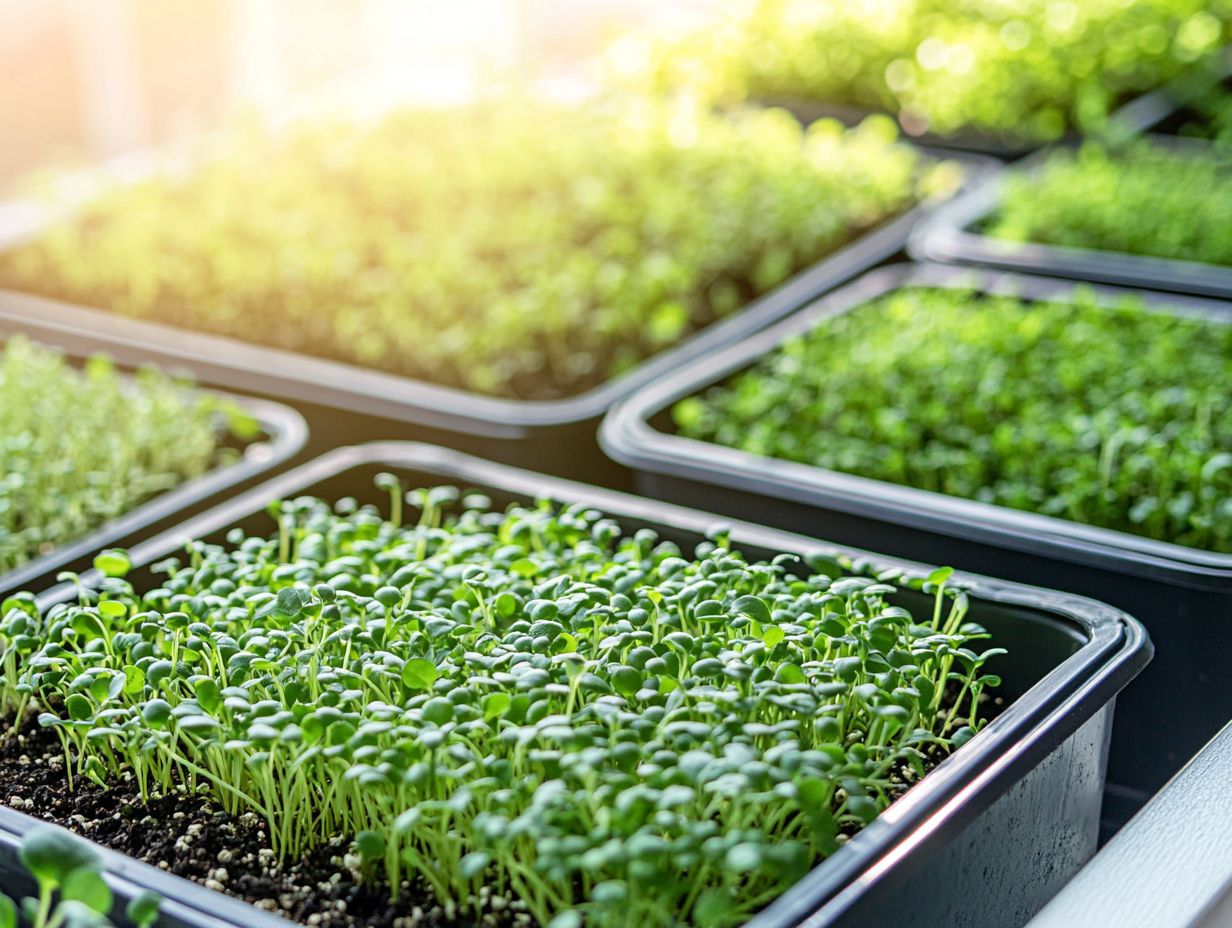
81,447
1141,199
512,249
605,725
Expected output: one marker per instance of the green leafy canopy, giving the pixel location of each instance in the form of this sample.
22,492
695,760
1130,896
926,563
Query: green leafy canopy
1117,417
609,726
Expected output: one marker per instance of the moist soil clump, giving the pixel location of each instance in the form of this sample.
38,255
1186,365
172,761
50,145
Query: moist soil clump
189,836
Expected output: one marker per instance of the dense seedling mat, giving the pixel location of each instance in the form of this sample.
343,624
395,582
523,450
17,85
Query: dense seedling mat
1142,199
529,704
79,447
1117,417
511,249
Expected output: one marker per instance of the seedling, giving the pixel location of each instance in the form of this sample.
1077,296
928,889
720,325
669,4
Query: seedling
512,249
609,727
1142,199
81,447
71,890
1115,417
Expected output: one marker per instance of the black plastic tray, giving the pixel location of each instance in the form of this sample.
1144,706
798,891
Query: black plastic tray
348,403
952,235
984,840
1183,594
1139,115
1171,867
284,434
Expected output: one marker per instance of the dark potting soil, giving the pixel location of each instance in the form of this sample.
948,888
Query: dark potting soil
188,835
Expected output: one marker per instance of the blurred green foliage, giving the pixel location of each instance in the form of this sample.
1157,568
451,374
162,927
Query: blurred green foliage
517,249
1144,199
1022,71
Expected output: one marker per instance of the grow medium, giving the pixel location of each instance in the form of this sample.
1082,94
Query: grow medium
956,234
282,433
1183,594
1018,803
350,402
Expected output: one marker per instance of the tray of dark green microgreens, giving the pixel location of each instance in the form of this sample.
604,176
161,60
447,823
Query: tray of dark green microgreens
1013,425
91,456
502,270
981,75
403,686
1150,213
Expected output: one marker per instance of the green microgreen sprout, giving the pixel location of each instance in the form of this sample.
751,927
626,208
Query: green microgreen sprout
1117,416
81,447
513,248
607,726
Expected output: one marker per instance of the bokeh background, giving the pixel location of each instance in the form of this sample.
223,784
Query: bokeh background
82,80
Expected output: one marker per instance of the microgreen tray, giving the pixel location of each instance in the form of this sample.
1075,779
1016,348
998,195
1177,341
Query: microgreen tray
1000,147
961,848
1183,594
283,434
352,403
953,234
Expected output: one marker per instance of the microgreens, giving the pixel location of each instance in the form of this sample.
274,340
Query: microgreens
606,725
1142,199
513,249
1117,417
78,448
1030,70
71,890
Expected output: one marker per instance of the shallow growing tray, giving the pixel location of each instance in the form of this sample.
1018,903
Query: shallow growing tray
1184,595
953,234
284,434
983,841
349,403
127,879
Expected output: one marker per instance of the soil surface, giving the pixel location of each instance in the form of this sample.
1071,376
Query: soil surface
188,835
191,837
